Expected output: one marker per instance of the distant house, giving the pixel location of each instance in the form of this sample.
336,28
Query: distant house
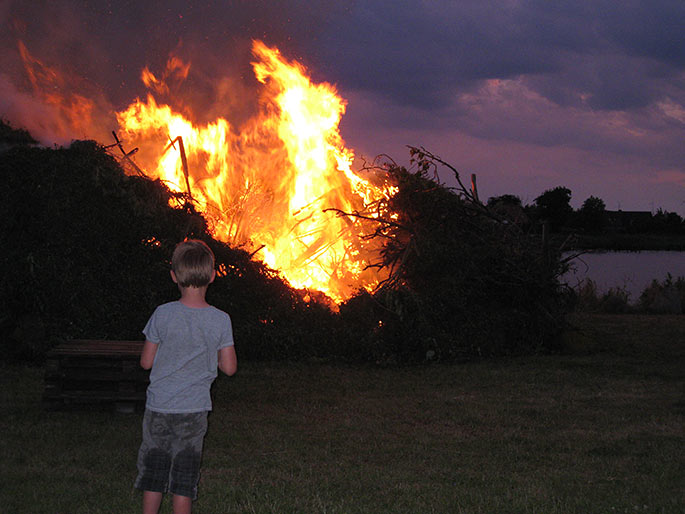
628,221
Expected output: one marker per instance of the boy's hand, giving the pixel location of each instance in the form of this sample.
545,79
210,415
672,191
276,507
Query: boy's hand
228,362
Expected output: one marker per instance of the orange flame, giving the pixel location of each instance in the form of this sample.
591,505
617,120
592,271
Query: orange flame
269,184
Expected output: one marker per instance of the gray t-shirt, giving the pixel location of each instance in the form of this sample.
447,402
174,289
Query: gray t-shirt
186,361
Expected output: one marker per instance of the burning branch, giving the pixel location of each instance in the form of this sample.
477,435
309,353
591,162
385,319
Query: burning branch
376,219
126,155
184,160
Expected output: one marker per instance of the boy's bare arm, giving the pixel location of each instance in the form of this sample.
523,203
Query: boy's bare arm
147,357
228,362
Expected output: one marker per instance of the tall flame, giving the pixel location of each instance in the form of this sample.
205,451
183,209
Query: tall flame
269,184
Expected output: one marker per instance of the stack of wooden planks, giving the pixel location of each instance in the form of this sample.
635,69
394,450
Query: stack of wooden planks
96,373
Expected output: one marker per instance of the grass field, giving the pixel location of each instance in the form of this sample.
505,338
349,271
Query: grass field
599,429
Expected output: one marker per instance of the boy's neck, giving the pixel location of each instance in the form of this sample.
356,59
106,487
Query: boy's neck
193,297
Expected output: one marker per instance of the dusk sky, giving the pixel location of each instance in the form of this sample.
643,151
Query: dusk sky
528,95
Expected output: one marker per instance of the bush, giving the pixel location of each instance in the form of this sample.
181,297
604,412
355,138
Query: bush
586,297
667,297
615,301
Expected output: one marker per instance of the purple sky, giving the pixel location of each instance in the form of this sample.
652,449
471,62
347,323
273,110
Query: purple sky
529,95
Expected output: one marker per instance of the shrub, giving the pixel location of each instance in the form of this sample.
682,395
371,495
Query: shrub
588,299
615,301
667,297
586,296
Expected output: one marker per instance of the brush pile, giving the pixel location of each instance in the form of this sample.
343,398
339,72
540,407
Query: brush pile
86,252
465,282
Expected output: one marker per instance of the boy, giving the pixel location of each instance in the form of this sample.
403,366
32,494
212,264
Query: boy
186,341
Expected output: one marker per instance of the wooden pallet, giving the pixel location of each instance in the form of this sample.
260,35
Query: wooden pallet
96,373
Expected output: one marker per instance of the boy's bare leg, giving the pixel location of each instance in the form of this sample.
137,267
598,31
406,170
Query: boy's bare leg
151,502
182,504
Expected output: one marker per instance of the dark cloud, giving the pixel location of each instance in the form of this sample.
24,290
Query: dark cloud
420,53
652,29
423,53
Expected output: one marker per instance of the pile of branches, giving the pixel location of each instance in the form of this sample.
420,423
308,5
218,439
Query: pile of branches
86,254
463,282
87,248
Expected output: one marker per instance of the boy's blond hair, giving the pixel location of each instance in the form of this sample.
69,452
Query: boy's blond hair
193,263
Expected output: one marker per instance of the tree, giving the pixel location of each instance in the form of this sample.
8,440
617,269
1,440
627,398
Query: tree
554,207
510,208
592,215
504,200
667,222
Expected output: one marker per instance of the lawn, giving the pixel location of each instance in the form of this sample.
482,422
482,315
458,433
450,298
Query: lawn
598,429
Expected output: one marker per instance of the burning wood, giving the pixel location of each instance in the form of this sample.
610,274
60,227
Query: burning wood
126,155
270,182
184,160
267,182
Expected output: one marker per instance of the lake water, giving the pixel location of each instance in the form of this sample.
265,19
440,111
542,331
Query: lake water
633,271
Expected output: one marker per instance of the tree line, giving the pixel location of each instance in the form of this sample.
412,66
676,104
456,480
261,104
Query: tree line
553,207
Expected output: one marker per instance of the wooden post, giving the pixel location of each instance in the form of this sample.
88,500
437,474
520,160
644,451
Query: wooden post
127,155
474,187
545,240
184,161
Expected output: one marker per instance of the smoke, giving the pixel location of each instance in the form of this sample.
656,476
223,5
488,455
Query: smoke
49,122
23,110
99,49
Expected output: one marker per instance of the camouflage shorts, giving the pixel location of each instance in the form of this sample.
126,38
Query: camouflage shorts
171,451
